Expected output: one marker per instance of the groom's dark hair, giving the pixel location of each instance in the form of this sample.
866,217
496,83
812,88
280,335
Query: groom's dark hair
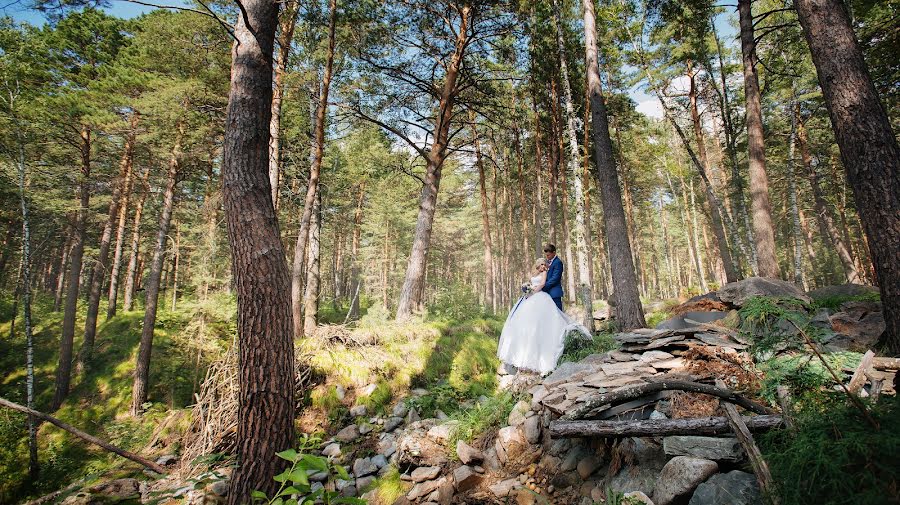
550,248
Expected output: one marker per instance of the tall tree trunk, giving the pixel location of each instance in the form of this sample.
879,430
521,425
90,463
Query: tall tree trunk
525,216
132,273
313,267
102,263
585,282
142,366
176,262
536,209
823,217
318,148
64,369
122,218
554,161
355,281
286,24
796,232
63,265
629,313
266,351
490,290
869,149
413,283
761,209
704,287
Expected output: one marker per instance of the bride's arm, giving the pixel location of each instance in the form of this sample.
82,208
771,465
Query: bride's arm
540,284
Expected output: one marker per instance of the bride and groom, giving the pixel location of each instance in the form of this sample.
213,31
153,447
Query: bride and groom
535,331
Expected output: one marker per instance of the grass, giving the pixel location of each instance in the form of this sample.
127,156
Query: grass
388,487
482,417
576,348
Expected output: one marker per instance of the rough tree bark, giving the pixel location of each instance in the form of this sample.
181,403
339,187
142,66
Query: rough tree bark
64,369
313,267
142,366
115,271
490,291
869,149
413,283
355,280
796,232
318,148
629,312
760,207
266,351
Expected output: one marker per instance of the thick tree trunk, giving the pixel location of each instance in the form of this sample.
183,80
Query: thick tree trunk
629,313
413,283
869,149
64,369
313,267
761,209
132,274
285,38
318,149
102,263
536,209
266,352
142,366
585,284
113,295
554,162
490,290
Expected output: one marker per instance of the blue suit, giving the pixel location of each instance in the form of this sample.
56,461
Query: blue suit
553,286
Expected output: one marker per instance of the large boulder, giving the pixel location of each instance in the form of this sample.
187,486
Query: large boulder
732,488
714,448
647,460
680,476
690,319
737,293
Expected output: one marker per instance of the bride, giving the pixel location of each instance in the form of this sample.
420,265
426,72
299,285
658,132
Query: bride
535,330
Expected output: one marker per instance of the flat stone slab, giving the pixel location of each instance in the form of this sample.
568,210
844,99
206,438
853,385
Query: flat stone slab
712,448
568,372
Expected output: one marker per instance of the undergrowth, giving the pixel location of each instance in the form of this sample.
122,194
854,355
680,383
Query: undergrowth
834,457
489,413
834,302
802,373
577,347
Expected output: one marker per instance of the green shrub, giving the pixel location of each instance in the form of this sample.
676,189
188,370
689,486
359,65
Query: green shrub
835,302
456,301
834,456
802,373
577,347
771,323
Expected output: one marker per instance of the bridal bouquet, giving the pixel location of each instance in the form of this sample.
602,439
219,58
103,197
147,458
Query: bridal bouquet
526,288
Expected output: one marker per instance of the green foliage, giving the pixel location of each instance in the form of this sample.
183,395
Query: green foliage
834,456
456,301
388,487
802,373
835,302
657,317
295,486
379,399
480,418
774,323
577,347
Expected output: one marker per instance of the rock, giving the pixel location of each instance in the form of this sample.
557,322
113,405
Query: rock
348,434
465,478
363,467
442,432
510,443
219,488
732,488
365,428
647,460
639,497
400,410
526,497
503,488
532,429
680,476
380,461
598,494
440,415
340,392
368,390
392,423
737,293
118,489
507,369
387,446
859,332
318,476
168,459
341,484
419,392
517,415
359,410
843,291
567,372
570,462
491,460
413,416
468,454
424,473
537,395
444,492
349,491
657,415
690,320
560,446
714,448
364,482
651,356
423,489
587,466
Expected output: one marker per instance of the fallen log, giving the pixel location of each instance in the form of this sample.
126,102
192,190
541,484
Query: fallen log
886,363
630,393
659,427
84,436
859,375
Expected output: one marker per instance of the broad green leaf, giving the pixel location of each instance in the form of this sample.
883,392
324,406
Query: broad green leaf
314,462
290,455
258,495
299,476
283,476
339,470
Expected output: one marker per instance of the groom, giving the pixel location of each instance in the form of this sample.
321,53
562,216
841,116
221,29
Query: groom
553,286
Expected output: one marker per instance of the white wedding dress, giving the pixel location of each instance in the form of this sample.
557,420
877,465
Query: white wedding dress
535,332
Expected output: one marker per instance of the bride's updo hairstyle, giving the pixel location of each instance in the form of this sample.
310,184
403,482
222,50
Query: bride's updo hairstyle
538,263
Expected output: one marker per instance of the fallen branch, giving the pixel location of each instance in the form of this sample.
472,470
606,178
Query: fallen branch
624,394
84,436
859,375
742,432
658,427
886,363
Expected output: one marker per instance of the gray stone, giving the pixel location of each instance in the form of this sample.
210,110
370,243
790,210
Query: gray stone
400,410
318,476
503,488
567,372
507,369
444,492
424,473
732,488
166,460
359,410
413,416
657,415
387,446
332,450
737,293
468,454
560,446
714,448
638,497
363,467
365,428
423,489
491,460
532,429
368,390
364,482
442,432
392,423
340,391
341,484
680,476
647,460
465,478
348,434
587,466
349,491
119,489
570,462
219,488
517,414
380,461
539,394
510,443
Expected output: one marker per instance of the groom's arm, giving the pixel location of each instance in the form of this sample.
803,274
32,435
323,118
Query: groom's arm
554,277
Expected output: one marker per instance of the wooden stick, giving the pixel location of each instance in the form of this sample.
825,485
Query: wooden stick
84,436
784,399
760,468
630,393
658,427
859,375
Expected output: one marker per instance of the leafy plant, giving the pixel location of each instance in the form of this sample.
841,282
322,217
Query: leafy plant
295,486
